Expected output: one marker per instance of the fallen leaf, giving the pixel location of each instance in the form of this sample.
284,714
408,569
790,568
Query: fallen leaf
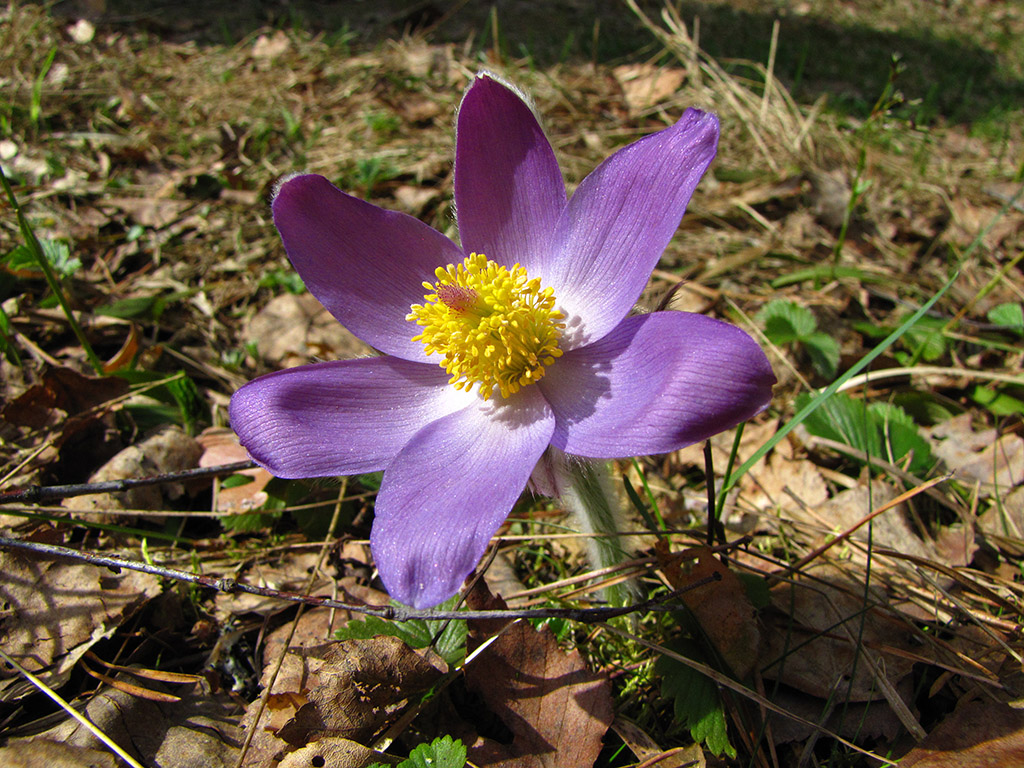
348,690
721,607
63,392
220,446
333,752
199,731
52,612
995,462
39,751
978,733
645,85
292,329
816,633
557,710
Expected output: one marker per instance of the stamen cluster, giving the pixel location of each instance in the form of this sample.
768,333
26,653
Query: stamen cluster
494,326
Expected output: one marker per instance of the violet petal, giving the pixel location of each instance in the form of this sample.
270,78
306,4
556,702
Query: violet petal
342,417
366,265
508,188
619,221
656,383
450,489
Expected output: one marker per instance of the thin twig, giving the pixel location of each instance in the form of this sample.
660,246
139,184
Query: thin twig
663,603
35,494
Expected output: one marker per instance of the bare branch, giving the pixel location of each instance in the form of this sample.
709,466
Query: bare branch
664,603
36,494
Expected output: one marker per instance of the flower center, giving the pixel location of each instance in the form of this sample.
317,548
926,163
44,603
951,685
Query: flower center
494,326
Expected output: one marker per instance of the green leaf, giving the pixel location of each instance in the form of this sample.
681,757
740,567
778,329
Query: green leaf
57,252
1009,315
845,420
785,321
445,752
999,403
416,633
926,339
129,308
696,700
7,348
881,430
899,433
190,403
824,353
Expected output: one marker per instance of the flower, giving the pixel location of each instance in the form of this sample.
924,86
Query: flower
518,340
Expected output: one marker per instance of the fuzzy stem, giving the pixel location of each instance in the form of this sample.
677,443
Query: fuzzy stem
585,490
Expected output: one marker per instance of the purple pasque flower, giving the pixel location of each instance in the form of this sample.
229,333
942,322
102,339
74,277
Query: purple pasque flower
520,339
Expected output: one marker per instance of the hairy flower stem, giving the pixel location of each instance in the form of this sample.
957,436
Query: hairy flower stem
586,492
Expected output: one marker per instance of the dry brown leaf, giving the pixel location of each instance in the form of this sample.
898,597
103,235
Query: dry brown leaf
63,392
645,85
39,751
333,752
811,642
995,461
349,690
979,733
557,710
291,330
722,608
220,446
53,612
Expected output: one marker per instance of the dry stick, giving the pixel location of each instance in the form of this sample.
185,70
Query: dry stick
36,493
390,612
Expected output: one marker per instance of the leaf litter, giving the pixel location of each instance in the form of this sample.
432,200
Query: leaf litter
148,184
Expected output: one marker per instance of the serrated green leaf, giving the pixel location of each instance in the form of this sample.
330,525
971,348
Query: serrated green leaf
785,321
845,420
1009,315
696,702
416,633
445,752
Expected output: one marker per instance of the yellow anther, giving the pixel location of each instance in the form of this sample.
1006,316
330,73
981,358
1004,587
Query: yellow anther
493,326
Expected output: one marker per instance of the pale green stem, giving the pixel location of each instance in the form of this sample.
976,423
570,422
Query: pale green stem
586,491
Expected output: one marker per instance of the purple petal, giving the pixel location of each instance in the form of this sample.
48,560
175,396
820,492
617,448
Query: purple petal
364,264
449,490
619,221
342,417
656,383
508,188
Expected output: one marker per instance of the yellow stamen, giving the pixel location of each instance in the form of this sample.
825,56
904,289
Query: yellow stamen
493,325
